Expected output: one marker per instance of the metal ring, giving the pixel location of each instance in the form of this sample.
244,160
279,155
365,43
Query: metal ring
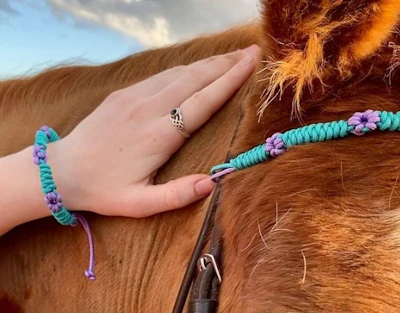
209,259
177,120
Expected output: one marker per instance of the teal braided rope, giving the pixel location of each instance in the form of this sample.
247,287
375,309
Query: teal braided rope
49,188
252,157
46,178
316,133
221,167
359,124
307,134
389,121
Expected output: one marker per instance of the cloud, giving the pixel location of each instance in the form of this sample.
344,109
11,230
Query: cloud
160,22
5,6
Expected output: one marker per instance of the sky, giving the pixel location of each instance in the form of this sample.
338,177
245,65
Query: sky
37,34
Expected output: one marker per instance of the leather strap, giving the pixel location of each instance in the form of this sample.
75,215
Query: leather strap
203,306
205,292
200,244
201,303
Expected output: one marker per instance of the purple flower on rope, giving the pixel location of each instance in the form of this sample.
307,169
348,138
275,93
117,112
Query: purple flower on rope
46,130
53,201
275,145
364,122
39,153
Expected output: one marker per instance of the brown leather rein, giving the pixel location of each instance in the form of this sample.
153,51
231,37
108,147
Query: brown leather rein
205,287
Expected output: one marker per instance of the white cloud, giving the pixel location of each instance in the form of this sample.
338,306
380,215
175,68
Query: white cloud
155,34
5,6
160,22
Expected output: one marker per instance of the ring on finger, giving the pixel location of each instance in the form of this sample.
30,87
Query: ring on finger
177,120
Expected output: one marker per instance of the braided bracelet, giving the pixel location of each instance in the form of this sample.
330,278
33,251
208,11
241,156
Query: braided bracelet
52,197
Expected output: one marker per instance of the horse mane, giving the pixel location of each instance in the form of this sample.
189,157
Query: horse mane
317,45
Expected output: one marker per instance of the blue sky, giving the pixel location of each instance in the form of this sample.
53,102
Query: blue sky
37,34
33,37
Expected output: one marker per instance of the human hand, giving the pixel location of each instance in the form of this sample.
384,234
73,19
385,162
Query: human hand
108,162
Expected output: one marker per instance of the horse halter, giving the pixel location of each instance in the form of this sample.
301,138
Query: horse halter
206,285
205,288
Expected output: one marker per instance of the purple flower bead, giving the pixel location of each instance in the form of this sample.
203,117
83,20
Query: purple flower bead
46,130
53,201
364,122
39,153
275,145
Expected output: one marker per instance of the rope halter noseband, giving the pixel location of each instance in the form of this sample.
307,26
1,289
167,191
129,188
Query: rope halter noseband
277,144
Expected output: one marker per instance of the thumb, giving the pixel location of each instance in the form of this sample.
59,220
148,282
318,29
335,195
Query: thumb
173,195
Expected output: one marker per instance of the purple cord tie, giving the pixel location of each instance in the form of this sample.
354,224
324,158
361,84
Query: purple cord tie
222,173
89,273
275,145
364,122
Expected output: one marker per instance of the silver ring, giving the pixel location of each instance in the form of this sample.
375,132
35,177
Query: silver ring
177,120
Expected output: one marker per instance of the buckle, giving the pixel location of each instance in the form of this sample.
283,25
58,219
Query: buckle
207,259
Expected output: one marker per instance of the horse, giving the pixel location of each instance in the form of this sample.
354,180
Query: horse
315,230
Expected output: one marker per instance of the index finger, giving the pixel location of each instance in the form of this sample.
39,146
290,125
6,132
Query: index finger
156,83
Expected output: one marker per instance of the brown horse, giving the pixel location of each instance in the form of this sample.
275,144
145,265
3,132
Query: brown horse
315,230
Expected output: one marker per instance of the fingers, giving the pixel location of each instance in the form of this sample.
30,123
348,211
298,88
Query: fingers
196,77
153,84
203,104
173,195
156,83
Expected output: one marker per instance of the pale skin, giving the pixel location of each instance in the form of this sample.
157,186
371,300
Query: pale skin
140,116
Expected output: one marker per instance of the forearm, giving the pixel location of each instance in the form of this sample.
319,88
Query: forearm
21,199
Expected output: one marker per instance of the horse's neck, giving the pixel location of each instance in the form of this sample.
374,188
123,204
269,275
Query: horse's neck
318,212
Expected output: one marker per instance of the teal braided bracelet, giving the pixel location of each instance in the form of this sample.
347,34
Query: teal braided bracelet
52,198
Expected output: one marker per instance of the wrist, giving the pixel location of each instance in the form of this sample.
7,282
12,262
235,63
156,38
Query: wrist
43,138
24,200
64,166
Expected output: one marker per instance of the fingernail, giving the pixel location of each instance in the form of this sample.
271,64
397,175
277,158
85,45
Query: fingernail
204,187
